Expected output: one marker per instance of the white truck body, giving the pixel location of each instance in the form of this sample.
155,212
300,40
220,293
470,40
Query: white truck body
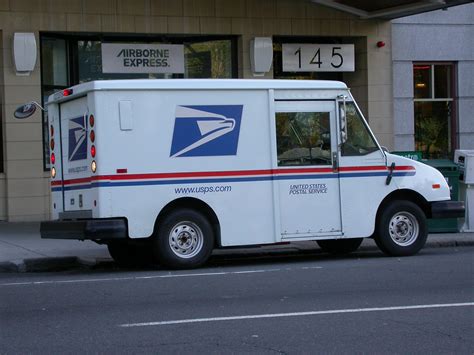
217,142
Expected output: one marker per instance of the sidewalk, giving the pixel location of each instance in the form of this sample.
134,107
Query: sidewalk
23,250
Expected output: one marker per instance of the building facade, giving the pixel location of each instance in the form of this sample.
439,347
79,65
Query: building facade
215,38
433,81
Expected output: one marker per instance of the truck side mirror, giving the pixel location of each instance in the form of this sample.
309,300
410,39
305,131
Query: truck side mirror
26,110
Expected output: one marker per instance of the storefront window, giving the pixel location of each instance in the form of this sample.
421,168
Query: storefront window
67,60
54,62
432,128
434,106
89,55
210,59
55,77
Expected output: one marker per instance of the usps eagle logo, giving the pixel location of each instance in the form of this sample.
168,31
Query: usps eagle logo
77,138
206,130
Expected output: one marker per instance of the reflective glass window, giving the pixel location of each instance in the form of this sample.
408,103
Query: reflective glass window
303,138
210,59
359,140
422,81
433,128
443,81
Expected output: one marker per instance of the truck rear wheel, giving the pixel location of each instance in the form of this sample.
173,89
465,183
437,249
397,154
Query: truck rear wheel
340,246
401,229
184,239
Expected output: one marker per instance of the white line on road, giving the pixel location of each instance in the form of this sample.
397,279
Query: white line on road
167,276
297,314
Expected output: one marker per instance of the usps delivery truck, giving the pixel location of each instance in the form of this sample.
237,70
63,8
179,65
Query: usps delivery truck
176,168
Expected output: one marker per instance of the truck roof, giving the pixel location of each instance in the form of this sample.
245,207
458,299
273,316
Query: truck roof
204,84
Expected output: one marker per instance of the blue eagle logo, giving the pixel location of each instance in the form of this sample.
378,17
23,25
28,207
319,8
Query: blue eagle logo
77,138
206,130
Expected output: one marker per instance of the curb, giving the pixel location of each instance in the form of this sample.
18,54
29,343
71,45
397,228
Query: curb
54,264
40,264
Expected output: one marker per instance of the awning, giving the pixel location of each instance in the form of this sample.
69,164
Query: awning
388,9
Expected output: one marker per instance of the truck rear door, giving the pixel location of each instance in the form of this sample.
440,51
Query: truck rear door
76,174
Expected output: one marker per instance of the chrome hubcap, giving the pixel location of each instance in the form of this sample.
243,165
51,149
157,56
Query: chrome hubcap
186,240
404,229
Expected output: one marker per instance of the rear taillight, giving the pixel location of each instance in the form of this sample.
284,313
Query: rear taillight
92,139
53,156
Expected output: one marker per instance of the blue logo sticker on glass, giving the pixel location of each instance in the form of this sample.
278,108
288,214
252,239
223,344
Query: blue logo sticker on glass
77,138
206,130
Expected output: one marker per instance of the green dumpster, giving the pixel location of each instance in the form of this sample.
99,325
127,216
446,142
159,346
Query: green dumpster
413,155
451,173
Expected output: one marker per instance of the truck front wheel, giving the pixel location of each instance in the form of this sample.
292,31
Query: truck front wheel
401,229
184,239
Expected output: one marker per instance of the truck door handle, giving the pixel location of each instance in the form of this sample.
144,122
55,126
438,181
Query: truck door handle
334,162
390,174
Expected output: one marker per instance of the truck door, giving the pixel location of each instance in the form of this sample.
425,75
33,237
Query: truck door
306,170
75,162
362,171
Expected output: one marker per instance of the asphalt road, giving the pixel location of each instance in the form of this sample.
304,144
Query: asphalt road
313,304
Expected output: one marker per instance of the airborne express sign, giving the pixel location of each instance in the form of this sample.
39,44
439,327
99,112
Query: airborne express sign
142,58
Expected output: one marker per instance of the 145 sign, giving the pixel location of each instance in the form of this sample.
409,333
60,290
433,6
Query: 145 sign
299,57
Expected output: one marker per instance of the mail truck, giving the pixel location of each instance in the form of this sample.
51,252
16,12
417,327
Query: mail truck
171,169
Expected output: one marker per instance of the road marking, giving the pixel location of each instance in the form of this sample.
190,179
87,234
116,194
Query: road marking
167,276
297,314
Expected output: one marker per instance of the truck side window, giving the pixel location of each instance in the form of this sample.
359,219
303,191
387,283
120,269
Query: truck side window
359,140
303,138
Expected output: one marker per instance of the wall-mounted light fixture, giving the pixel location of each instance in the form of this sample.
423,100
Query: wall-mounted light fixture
24,53
261,55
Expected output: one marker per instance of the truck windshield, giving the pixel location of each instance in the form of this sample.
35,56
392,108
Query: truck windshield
359,140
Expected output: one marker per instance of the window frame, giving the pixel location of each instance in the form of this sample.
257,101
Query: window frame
453,99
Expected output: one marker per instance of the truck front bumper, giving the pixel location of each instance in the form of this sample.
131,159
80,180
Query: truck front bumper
94,229
448,209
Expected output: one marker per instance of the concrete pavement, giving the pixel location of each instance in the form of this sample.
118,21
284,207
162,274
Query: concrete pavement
23,250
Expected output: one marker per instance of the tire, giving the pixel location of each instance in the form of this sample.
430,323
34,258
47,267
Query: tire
184,239
126,254
401,229
340,246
